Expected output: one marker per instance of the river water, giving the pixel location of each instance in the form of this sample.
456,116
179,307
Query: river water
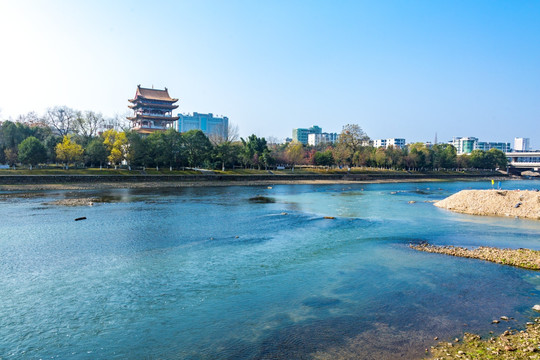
203,273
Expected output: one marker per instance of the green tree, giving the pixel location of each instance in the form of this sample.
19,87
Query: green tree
196,147
253,149
444,156
32,152
173,147
477,158
96,152
157,148
497,159
137,150
68,151
325,158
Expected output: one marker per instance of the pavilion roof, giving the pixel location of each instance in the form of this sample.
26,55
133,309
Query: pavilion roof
152,94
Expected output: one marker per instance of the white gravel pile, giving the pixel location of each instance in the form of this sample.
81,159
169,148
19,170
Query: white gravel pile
515,203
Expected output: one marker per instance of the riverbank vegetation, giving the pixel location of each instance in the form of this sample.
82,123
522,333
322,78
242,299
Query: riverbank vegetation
72,138
511,344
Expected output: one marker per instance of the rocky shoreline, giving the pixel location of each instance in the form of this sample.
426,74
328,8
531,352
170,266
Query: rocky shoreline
523,258
515,203
511,344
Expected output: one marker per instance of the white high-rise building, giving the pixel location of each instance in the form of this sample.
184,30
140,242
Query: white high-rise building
385,143
522,144
315,139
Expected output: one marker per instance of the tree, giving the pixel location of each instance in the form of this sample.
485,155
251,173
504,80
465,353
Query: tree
350,140
323,158
88,123
253,149
68,151
444,156
137,149
497,159
10,155
477,159
32,152
116,143
196,147
173,147
295,153
96,152
62,119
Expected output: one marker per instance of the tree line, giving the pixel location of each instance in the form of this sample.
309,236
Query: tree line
71,138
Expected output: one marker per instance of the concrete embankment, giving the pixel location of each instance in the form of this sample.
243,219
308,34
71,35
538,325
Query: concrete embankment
515,203
88,179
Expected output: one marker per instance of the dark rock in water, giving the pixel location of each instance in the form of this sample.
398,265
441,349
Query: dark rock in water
262,199
320,302
80,218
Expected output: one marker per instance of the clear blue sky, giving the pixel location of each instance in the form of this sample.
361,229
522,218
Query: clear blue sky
397,68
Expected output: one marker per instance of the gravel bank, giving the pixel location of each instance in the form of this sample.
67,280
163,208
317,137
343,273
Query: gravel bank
512,344
524,258
515,203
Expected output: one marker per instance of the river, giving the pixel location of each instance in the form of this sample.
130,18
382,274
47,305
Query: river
204,273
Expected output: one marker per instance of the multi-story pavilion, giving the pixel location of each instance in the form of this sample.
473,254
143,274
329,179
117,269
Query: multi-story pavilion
152,110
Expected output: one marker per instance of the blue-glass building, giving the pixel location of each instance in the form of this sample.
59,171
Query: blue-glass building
210,125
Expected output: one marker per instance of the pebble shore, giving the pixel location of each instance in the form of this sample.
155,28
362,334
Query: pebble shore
523,258
515,203
512,344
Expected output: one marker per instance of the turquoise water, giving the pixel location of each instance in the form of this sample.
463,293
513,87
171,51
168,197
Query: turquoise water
203,273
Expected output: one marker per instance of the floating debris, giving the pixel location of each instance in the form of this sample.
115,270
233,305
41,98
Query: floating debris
329,217
80,218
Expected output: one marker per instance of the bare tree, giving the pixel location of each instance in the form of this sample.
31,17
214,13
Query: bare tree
218,136
61,118
88,123
31,119
118,122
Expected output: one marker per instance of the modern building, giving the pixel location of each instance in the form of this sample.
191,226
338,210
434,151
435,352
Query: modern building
315,139
301,134
522,144
465,145
504,147
207,123
152,110
386,143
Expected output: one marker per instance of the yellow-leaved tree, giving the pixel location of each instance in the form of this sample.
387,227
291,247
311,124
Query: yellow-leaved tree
68,151
117,145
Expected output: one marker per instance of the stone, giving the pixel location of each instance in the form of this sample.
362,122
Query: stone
536,307
505,318
495,322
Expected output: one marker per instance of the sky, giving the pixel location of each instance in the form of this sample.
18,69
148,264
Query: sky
399,69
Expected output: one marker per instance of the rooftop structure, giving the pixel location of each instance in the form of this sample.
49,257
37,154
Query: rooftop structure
152,110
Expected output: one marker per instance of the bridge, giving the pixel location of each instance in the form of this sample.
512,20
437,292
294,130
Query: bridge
523,160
